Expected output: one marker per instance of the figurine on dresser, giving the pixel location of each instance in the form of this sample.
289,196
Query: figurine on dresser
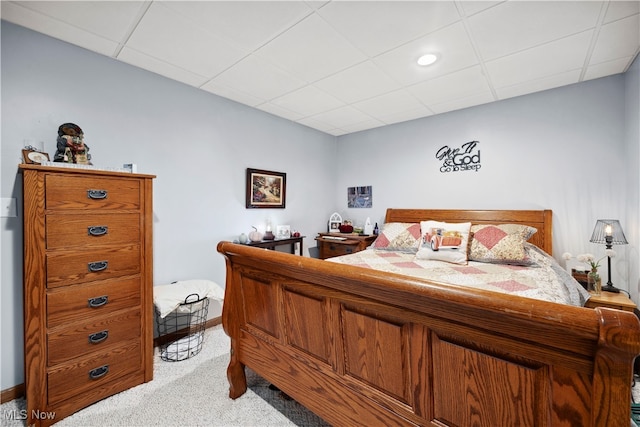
70,145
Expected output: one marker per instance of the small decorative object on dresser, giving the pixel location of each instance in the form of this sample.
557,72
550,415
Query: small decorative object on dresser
283,231
31,156
334,244
335,221
70,145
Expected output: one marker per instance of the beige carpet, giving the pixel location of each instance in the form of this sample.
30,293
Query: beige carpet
191,392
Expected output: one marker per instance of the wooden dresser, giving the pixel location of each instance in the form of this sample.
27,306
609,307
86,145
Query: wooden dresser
336,244
88,284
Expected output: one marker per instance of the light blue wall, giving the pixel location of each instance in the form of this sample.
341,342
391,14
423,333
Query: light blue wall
197,144
632,168
562,149
547,150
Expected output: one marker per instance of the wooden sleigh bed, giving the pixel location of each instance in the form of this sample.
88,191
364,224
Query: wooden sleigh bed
363,347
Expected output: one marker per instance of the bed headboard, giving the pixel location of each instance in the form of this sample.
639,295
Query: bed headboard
540,219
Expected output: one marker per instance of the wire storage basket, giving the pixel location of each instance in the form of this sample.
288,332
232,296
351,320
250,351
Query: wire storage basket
181,332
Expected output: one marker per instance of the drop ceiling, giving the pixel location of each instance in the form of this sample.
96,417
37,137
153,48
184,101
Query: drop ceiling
346,66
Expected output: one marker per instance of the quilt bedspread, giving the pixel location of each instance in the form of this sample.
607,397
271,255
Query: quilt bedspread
544,280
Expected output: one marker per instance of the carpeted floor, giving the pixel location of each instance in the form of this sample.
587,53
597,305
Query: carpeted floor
191,392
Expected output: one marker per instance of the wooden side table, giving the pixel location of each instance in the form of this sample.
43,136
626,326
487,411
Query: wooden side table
336,244
271,244
619,301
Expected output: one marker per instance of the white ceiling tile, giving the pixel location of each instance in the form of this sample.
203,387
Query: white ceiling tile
359,82
357,127
247,23
308,101
37,21
617,40
451,44
260,78
531,86
453,86
609,68
317,124
474,6
392,117
514,26
231,93
343,116
109,19
183,44
465,102
389,106
378,26
621,9
280,111
311,50
553,58
145,62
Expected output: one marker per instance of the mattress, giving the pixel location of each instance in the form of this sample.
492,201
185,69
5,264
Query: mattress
544,279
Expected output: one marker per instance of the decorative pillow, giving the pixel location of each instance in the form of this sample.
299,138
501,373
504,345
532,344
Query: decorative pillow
503,244
398,236
444,241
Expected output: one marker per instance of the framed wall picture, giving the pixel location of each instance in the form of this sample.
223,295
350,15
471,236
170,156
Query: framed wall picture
266,189
360,197
34,157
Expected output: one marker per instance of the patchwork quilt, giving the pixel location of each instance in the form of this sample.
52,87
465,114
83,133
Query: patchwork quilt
545,280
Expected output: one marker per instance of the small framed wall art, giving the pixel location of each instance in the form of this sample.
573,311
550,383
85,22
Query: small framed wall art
266,189
34,157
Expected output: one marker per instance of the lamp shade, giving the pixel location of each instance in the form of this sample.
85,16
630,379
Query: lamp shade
608,227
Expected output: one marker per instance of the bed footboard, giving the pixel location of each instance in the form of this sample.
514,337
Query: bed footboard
360,347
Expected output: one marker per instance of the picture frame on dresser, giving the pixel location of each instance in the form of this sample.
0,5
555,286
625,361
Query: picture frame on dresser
283,231
31,157
265,189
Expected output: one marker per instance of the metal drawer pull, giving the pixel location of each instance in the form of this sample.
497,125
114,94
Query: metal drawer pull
97,194
98,266
100,372
98,301
97,230
98,337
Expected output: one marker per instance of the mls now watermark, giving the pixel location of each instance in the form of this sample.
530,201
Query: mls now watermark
21,414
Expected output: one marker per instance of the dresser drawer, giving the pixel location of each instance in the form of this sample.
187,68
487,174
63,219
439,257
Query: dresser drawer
329,250
76,230
77,192
84,302
85,266
99,371
93,335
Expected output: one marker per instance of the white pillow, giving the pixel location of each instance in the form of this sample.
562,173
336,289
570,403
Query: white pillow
443,241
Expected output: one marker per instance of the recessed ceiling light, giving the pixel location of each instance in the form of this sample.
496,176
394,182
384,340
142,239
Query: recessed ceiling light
427,59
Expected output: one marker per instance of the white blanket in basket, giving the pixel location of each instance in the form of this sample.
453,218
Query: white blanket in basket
169,297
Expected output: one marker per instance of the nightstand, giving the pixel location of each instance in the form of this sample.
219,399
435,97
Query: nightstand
611,300
336,244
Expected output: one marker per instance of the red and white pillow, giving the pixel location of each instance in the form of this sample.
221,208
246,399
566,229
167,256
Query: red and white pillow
503,243
398,236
